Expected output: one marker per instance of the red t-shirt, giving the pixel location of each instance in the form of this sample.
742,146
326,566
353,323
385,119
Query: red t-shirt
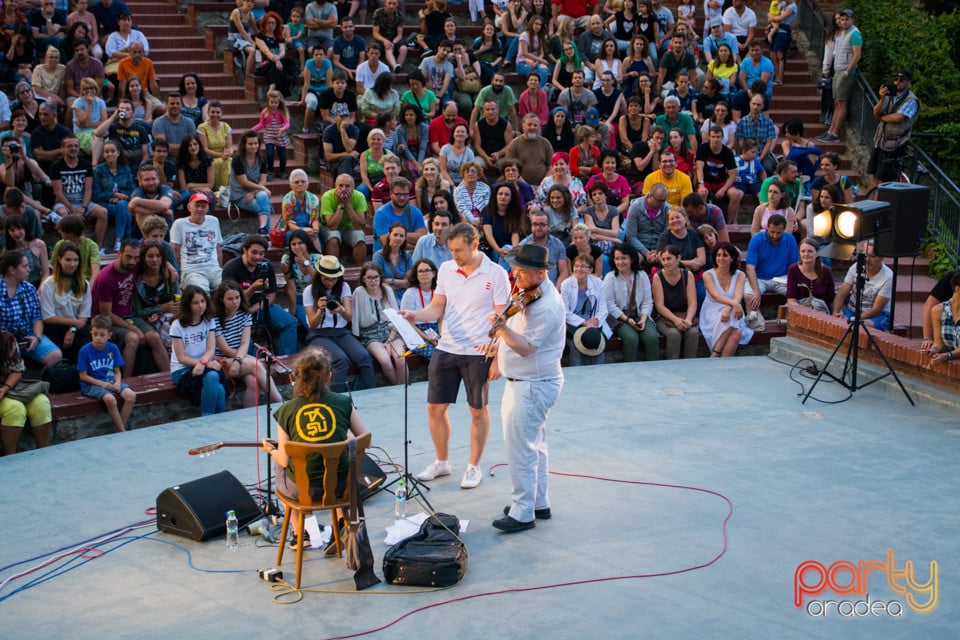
575,8
440,132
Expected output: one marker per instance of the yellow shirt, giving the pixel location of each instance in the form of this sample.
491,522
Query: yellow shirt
678,187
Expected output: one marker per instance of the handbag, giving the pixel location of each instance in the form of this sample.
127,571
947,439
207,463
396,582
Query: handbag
469,85
26,391
359,554
62,376
825,83
278,237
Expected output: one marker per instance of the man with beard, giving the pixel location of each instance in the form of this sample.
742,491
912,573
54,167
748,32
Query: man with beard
559,269
83,66
133,138
500,93
438,71
442,125
151,197
531,150
491,135
72,180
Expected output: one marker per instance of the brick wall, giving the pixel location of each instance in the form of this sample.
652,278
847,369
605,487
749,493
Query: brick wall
903,353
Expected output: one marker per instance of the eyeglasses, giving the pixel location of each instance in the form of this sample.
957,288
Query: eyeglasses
424,271
371,278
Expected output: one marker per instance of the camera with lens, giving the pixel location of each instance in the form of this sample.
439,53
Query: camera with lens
891,88
333,302
122,115
13,147
262,271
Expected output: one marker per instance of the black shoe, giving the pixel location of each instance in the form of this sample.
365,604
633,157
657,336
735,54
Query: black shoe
539,514
509,525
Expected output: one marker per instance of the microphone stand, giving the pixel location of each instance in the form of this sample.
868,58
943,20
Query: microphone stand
269,504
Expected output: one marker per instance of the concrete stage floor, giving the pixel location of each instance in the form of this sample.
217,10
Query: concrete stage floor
826,483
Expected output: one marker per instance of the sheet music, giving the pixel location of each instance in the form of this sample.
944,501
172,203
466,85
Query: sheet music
411,339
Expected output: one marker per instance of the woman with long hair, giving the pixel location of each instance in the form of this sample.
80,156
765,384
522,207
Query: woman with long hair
248,180
568,62
561,212
722,118
630,303
693,255
393,260
808,282
826,197
217,140
65,302
276,67
195,371
531,52
430,181
18,238
675,301
27,324
624,24
413,136
371,326
113,185
329,305
156,293
722,322
442,201
313,374
502,221
724,68
636,64
681,149
456,153
233,344
299,265
194,105
194,168
801,150
144,104
48,78
830,175
422,281
648,25
777,203
489,50
634,126
607,61
560,175
379,98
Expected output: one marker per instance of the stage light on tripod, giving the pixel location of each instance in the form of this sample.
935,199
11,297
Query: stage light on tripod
852,223
846,225
823,224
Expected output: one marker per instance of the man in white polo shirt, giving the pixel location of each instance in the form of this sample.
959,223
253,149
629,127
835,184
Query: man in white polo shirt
469,288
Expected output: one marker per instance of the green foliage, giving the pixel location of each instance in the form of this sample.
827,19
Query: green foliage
938,262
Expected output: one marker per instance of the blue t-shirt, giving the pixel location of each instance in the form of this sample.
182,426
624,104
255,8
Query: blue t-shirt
412,220
748,172
318,77
98,364
349,50
772,260
755,71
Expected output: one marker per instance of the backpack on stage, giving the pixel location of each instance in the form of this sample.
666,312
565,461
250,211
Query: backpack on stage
433,557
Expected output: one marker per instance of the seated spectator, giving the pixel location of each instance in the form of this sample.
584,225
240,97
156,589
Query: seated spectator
678,184
65,303
776,204
617,190
70,229
48,78
152,197
946,329
646,221
600,217
645,158
300,209
113,187
750,173
491,135
248,180
388,31
20,310
371,162
511,176
276,67
172,126
827,196
769,255
155,229
676,60
561,212
370,69
89,111
242,29
337,101
72,179
342,219
193,104
234,344
560,175
299,264
673,120
412,136
693,255
371,326
471,195
217,141
582,245
393,260
534,100
14,413
317,74
456,153
145,105
99,367
120,42
422,281
329,306
629,303
198,376
724,69
194,168
556,251
430,182
719,118
675,301
258,280
20,174
80,14
830,175
137,65
17,237
800,150
28,103
530,151
700,213
502,222
686,162
722,321
81,66
156,296
586,311
122,127
877,293
760,129
716,172
48,25
585,156
788,175
197,244
340,142
808,283
421,97
398,210
754,66
559,130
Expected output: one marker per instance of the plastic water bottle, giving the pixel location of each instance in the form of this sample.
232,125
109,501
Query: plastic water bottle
233,534
400,509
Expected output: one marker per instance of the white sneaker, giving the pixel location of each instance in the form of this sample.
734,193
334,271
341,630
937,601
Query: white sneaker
434,470
471,477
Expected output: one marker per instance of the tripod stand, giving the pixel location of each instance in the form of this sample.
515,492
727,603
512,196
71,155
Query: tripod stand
269,504
853,350
414,487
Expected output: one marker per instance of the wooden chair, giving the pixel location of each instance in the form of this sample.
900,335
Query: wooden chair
305,505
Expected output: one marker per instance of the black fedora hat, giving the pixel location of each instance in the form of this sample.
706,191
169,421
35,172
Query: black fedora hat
530,256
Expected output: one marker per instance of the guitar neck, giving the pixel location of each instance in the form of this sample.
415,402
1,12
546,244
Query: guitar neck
210,448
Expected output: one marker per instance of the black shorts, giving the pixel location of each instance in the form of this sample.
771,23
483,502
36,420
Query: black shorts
445,372
883,165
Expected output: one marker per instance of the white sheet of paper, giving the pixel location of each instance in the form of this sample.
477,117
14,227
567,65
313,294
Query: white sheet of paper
408,334
403,529
313,529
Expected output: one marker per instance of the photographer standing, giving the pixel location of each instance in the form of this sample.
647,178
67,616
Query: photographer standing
896,111
258,280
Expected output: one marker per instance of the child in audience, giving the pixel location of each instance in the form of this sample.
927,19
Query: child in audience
194,370
275,124
99,366
750,173
294,34
71,230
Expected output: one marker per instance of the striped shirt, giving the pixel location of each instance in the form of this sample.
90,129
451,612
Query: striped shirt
231,329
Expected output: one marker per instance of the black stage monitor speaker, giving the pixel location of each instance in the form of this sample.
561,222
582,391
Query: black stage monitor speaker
372,477
197,509
909,204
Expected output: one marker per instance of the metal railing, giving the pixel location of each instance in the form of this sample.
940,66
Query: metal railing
944,208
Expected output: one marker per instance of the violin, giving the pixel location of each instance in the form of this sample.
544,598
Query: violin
519,301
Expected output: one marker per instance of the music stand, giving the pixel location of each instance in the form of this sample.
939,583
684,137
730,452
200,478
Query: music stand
411,339
269,506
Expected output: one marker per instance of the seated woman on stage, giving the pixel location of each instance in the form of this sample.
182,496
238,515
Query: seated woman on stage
313,373
233,343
